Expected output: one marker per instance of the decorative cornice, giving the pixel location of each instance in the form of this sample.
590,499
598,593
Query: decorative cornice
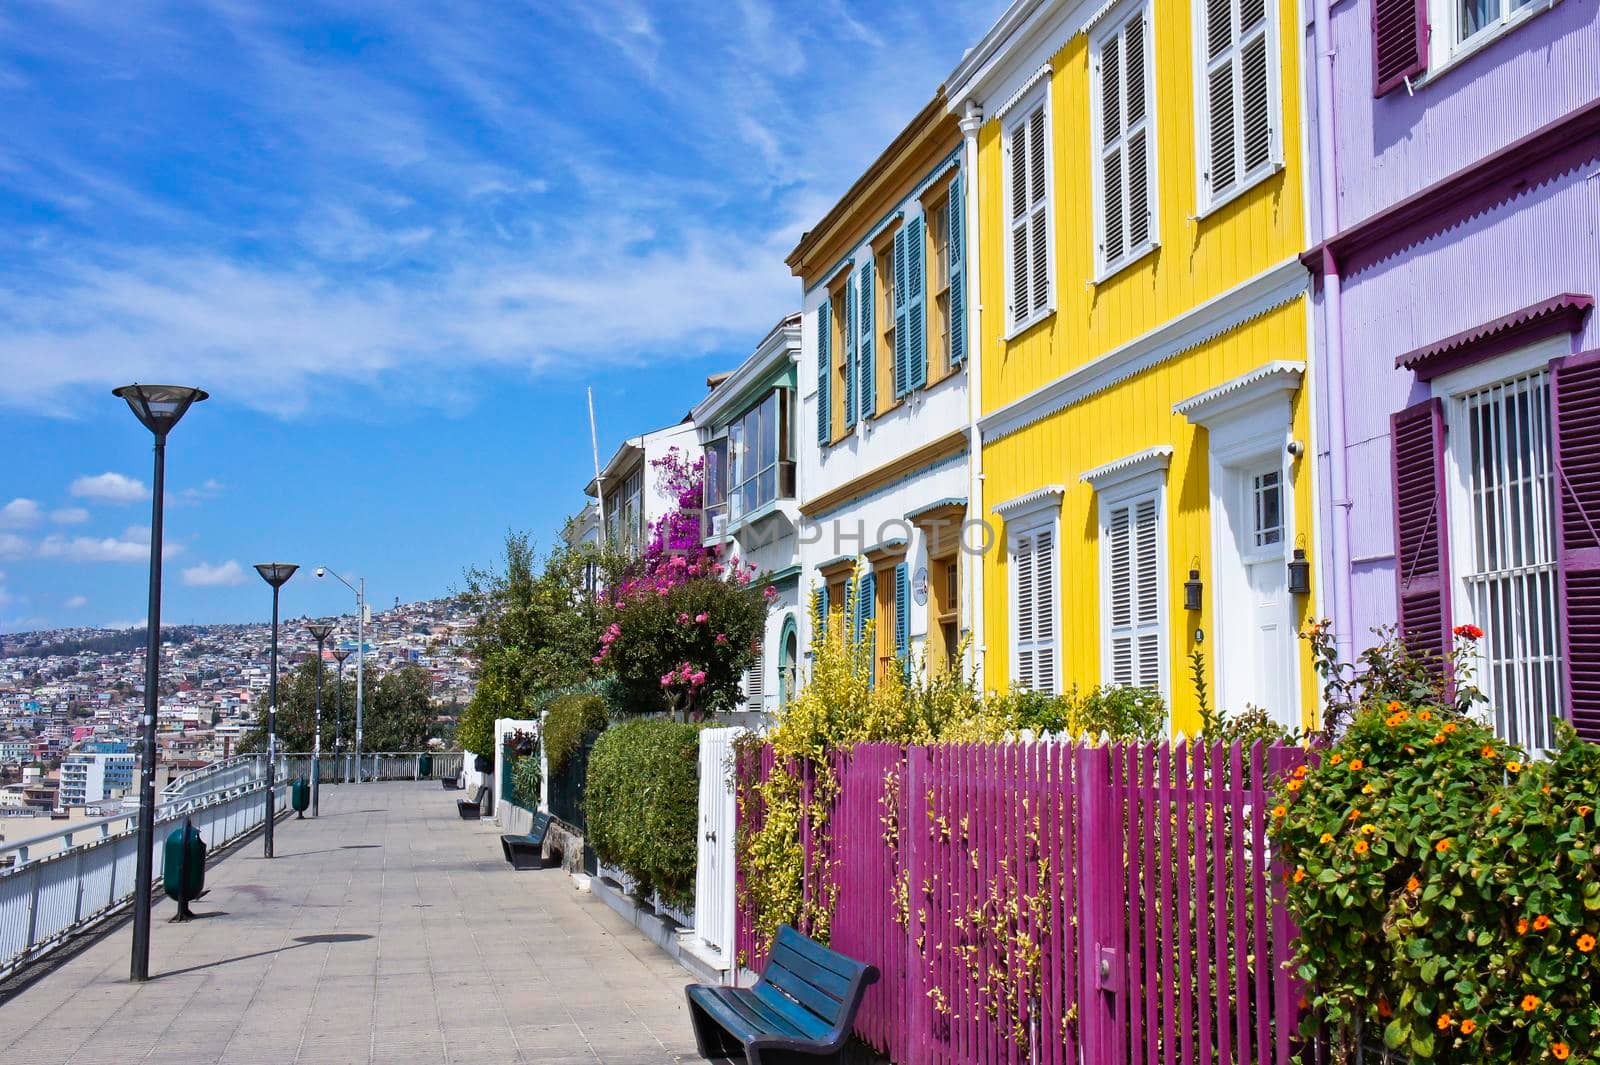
887,549
1263,381
1038,499
950,445
833,565
1226,311
1150,460
947,503
1521,166
1043,72
773,350
1558,314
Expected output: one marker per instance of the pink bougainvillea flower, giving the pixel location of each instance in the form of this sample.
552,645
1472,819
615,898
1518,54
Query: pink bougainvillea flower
722,637
666,681
769,593
702,617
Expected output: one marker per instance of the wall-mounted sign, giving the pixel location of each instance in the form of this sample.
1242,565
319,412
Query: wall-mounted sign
919,586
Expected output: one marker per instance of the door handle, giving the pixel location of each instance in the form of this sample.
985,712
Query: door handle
711,837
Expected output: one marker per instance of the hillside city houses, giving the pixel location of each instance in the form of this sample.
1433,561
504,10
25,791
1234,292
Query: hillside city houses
1164,330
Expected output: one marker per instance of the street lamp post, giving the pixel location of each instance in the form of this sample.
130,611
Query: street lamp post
360,588
158,407
275,574
318,632
339,655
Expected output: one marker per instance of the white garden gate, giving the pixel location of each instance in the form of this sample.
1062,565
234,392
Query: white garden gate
714,889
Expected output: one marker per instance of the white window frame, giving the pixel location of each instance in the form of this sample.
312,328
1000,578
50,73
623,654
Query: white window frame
1110,30
1244,181
1444,21
1024,517
1125,485
1018,116
1451,389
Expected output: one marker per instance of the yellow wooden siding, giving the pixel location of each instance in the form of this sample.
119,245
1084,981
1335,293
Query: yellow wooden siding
1130,417
1196,259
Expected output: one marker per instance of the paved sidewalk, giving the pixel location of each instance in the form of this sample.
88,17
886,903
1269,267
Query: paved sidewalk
387,930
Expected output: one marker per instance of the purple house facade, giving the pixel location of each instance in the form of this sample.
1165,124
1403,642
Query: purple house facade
1458,435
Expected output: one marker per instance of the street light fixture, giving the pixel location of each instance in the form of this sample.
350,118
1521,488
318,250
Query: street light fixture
159,408
339,655
360,588
275,574
320,633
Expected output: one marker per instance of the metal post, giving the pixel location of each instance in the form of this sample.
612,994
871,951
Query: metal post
338,714
361,667
272,722
140,967
316,741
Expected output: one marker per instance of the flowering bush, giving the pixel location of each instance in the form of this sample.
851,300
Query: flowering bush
1447,890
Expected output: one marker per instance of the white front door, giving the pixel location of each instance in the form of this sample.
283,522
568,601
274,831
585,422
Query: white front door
1256,636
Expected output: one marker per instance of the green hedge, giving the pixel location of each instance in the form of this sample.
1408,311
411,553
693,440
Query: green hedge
525,781
643,804
568,719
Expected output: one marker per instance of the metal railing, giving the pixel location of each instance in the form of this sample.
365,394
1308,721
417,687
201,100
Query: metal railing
240,769
375,765
44,901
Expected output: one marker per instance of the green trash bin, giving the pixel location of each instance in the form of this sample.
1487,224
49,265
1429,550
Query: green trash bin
300,797
183,868
425,765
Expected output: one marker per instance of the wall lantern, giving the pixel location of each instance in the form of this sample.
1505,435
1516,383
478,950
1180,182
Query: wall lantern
1299,573
1192,588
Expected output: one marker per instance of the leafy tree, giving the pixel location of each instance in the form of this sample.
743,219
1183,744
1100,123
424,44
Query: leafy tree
398,715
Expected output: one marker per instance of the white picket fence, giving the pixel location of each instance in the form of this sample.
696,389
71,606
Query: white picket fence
714,884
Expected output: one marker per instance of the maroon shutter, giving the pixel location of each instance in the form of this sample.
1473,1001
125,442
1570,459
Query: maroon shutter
1422,542
1575,400
1399,42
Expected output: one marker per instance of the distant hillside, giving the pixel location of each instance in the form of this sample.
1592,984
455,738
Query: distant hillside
100,641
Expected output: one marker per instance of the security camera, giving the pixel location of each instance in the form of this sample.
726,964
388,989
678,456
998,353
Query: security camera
321,572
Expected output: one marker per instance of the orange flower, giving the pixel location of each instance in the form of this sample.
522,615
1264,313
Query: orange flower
1356,764
1438,738
1469,1026
1300,772
1294,785
1368,829
1336,758
1494,809
1424,715
1583,811
1513,767
1384,1009
1540,923
1280,811
1559,1051
1299,875
1394,704
1442,846
1366,789
1488,751
1361,846
1522,926
1444,1022
1530,1003
1327,837
1355,815
1413,885
1585,943
1449,726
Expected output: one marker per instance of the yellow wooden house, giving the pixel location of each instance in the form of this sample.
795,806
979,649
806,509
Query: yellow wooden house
1140,387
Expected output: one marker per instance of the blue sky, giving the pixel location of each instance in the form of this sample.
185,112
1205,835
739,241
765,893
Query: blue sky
395,241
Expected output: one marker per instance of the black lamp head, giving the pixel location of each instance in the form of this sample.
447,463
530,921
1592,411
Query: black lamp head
276,573
341,653
319,631
159,407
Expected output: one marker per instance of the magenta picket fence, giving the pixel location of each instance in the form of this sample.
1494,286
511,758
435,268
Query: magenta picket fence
1051,904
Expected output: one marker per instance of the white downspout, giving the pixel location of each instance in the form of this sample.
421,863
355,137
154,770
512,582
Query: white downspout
971,122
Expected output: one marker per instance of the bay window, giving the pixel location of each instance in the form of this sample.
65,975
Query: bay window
760,455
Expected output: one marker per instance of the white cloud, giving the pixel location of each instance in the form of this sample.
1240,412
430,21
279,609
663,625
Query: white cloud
76,602
107,549
69,516
209,490
13,546
110,488
19,514
206,575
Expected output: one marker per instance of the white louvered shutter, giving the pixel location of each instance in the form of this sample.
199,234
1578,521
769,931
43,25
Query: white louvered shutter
1019,223
1123,81
755,683
1022,612
1028,202
1133,593
1044,624
1240,124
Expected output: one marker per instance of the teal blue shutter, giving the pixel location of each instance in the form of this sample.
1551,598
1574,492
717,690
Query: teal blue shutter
847,322
916,286
868,368
958,286
822,610
824,370
852,607
901,332
867,610
902,619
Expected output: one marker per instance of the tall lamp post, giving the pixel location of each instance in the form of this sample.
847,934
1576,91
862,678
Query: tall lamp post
339,655
275,574
159,407
360,588
318,632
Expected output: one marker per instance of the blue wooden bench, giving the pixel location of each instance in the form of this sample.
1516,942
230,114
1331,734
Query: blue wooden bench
804,1004
472,809
527,851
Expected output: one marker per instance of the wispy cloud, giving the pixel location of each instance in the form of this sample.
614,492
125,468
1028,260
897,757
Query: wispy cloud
206,575
443,195
125,548
109,487
13,547
76,602
69,516
19,514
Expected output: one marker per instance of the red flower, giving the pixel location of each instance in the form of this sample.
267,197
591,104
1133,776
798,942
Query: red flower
1469,632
